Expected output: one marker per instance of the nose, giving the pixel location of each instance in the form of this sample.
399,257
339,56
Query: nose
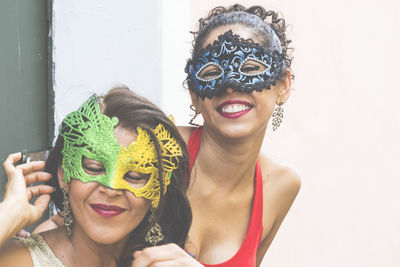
229,90
109,191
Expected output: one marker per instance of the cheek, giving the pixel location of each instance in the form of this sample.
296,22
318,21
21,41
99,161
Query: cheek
138,205
270,103
265,99
205,106
79,190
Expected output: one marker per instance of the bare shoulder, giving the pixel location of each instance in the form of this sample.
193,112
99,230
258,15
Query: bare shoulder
14,253
52,223
280,187
186,132
279,177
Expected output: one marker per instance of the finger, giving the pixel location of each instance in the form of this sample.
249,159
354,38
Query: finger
42,203
173,263
37,190
8,164
178,261
158,253
23,233
37,177
31,166
36,211
141,261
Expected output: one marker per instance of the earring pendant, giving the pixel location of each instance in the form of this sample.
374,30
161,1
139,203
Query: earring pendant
277,116
154,235
67,213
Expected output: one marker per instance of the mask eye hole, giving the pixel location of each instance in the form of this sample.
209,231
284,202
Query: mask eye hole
252,67
209,72
137,179
92,167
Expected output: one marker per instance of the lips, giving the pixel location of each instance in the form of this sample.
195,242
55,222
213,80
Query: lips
234,108
107,211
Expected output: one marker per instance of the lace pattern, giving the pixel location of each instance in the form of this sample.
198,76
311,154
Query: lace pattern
229,52
89,133
141,157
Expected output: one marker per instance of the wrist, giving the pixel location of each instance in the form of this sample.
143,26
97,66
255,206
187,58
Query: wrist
13,213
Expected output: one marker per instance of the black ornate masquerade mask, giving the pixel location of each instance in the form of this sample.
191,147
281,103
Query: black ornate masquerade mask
232,62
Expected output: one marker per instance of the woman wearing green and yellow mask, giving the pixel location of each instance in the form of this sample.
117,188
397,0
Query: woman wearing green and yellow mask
118,168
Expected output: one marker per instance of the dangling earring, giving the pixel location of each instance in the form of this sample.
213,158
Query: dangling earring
154,235
67,213
196,112
277,116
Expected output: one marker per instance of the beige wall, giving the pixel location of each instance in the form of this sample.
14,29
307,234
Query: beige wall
341,127
341,132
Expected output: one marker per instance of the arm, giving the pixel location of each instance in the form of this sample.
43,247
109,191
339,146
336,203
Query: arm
15,211
14,254
12,220
285,187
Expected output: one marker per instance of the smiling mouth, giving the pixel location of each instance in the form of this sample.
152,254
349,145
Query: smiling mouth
107,211
234,108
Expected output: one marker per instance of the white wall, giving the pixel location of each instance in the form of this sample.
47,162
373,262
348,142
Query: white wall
175,50
99,43
341,124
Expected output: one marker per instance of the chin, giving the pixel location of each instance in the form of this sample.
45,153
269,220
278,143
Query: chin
107,237
236,131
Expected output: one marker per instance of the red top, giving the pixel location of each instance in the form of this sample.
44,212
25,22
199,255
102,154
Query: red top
246,255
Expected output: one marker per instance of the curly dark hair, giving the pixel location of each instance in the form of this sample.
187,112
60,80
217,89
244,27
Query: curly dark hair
268,25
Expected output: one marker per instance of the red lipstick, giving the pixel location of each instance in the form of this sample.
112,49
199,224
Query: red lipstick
234,108
107,211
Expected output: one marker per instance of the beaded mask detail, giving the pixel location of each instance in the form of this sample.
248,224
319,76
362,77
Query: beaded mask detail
89,133
228,55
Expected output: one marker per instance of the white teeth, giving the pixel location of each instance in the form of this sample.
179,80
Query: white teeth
233,108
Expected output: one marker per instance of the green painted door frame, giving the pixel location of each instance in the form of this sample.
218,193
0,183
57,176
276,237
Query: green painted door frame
26,98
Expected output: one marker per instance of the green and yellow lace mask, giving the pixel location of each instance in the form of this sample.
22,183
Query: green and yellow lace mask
89,133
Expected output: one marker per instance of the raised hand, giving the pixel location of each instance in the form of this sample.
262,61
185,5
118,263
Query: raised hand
15,211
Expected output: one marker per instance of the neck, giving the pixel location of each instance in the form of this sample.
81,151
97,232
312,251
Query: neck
229,163
87,252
